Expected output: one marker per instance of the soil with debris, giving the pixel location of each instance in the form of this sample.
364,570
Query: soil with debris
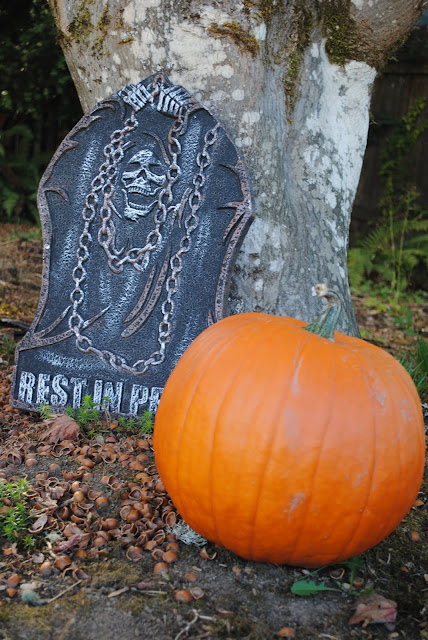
107,562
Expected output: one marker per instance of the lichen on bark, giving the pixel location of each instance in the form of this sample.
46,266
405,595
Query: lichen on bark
80,27
245,40
338,28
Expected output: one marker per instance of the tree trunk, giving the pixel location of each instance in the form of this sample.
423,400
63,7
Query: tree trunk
291,82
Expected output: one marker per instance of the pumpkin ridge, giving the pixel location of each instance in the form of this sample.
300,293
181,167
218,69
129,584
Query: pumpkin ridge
399,381
281,403
218,348
316,466
363,365
215,430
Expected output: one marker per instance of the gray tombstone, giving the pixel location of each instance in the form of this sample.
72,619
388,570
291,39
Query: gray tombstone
143,207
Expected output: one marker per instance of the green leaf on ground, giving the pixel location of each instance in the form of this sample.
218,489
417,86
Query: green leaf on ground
309,588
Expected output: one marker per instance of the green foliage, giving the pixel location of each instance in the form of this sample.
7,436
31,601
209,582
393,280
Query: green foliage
142,425
416,364
354,565
390,253
309,588
93,418
88,414
146,422
14,491
46,412
14,519
397,247
306,587
7,347
38,103
20,172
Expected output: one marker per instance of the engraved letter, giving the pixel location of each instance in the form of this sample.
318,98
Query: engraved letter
77,391
114,397
26,386
43,388
155,398
98,392
59,398
139,396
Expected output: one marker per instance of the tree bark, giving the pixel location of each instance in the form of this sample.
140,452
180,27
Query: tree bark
291,82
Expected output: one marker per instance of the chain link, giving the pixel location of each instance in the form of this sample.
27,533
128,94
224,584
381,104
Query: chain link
102,190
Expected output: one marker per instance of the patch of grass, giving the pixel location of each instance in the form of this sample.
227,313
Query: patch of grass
30,234
403,313
87,415
416,364
14,512
7,347
143,424
46,412
94,418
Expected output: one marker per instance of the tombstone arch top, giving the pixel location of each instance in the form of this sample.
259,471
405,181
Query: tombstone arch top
143,208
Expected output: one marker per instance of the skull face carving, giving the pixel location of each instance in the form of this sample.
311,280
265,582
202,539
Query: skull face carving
143,179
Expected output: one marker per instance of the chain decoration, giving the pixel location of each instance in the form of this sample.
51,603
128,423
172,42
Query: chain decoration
102,182
139,257
102,186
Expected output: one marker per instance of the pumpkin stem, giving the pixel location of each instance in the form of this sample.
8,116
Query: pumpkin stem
325,325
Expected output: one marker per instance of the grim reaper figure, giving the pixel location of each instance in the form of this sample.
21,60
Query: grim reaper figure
144,207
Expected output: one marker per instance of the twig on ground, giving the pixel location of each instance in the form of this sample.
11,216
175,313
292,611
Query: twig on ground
188,625
119,592
59,595
197,616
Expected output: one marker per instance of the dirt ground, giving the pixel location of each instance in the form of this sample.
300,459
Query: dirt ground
91,572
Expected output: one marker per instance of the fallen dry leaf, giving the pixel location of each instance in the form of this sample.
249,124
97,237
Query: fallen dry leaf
119,592
206,556
59,428
286,632
13,581
414,536
39,523
236,570
374,609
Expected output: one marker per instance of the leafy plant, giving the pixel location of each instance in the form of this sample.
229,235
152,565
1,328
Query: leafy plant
309,588
354,564
38,103
87,414
20,171
378,259
97,416
45,412
145,423
142,425
7,347
391,252
14,515
416,364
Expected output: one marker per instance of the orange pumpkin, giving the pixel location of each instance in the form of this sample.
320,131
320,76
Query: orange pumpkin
285,446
